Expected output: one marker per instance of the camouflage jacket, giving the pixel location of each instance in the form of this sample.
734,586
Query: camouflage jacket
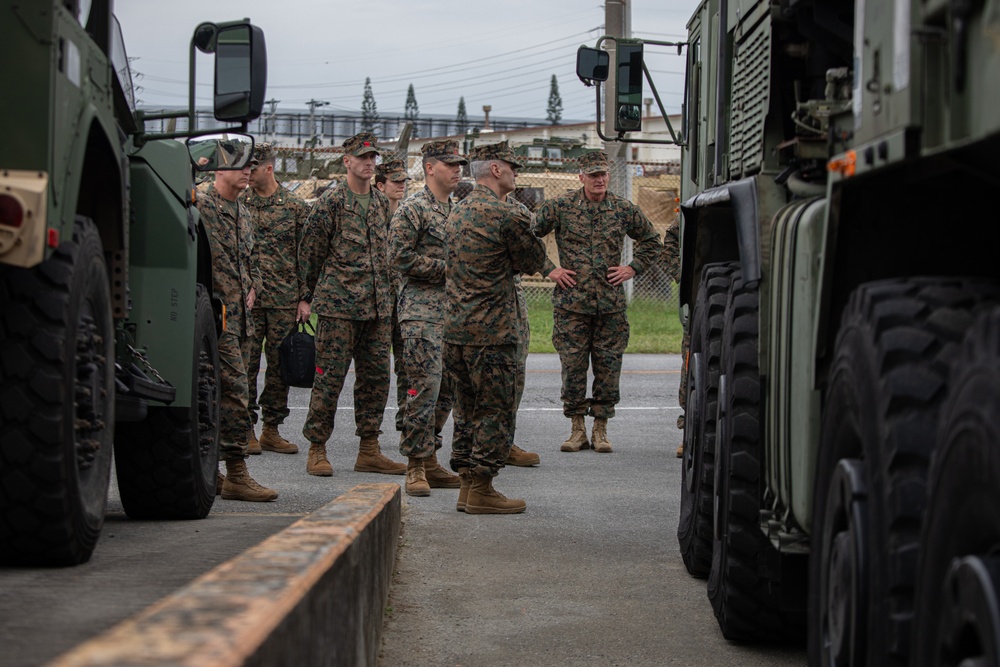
417,251
590,237
671,257
523,328
234,269
278,222
489,242
342,257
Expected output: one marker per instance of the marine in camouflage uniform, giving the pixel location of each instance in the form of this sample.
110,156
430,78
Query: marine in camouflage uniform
278,219
590,325
343,268
417,252
390,180
234,275
489,242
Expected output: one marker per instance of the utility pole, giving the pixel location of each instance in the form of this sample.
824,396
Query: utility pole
617,23
313,140
273,115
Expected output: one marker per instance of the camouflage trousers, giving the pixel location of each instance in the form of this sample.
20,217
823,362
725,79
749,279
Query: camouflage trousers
523,340
398,368
234,415
338,342
428,396
483,379
583,341
271,325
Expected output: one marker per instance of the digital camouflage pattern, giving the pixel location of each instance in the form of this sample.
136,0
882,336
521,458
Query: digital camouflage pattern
671,255
590,237
392,170
482,378
417,253
523,331
360,144
489,242
499,151
489,246
278,222
429,396
445,150
271,325
593,162
338,342
583,341
234,267
234,274
342,257
397,359
263,152
590,326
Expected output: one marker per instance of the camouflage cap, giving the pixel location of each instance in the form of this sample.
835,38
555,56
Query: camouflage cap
361,143
500,151
263,152
392,170
593,162
445,151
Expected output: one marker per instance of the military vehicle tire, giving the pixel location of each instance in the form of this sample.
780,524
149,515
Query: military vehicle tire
887,384
958,582
57,398
166,464
694,526
743,582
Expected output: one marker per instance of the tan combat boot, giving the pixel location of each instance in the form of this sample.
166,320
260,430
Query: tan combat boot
317,464
599,436
220,480
416,482
578,438
519,457
271,441
463,491
484,499
239,485
437,476
680,425
371,459
253,446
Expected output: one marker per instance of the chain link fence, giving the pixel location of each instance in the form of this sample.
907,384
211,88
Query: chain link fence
653,186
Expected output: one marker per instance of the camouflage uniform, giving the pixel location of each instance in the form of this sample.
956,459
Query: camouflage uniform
394,169
343,267
234,274
278,223
417,250
489,242
590,325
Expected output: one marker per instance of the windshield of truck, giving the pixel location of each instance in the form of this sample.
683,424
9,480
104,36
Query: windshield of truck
119,61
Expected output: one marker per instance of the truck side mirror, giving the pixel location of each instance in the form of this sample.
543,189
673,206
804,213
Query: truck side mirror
240,72
628,96
220,152
592,65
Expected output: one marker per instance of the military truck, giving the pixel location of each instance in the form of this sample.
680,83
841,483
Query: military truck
108,328
840,288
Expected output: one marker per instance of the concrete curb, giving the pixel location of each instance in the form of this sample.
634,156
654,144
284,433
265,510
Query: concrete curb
313,594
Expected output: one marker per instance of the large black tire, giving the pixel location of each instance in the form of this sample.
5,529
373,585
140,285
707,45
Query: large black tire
694,526
166,464
957,596
743,585
888,381
57,398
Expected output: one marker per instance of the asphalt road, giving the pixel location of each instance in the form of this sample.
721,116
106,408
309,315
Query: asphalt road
589,575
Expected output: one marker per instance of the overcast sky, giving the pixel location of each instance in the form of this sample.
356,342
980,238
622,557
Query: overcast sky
498,53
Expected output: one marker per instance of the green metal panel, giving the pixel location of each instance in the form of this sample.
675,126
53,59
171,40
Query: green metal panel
793,408
163,262
25,35
750,98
